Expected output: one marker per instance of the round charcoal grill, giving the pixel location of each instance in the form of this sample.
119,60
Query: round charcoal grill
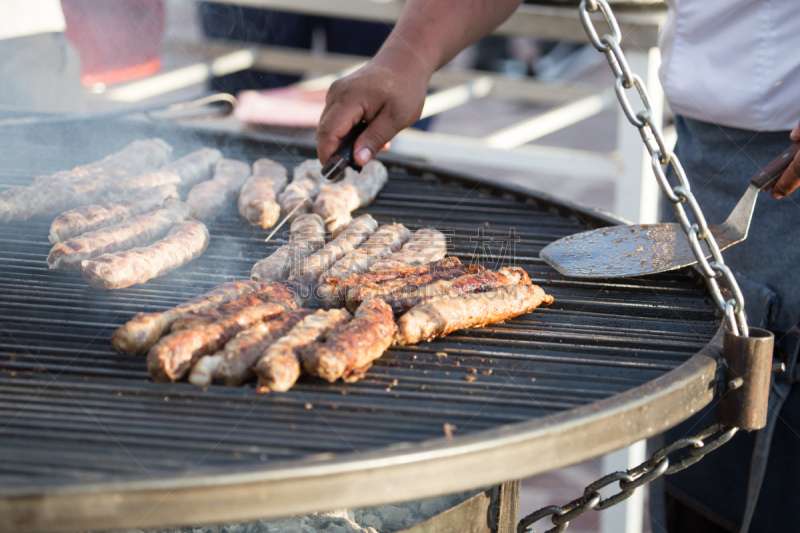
87,441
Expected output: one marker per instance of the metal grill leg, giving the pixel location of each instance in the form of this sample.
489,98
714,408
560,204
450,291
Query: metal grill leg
505,507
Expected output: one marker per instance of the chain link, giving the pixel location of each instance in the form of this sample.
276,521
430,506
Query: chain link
697,232
695,448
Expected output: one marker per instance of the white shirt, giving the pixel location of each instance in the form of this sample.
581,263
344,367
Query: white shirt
19,18
733,62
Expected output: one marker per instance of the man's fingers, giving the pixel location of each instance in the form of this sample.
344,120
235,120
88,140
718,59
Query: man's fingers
795,135
789,181
336,122
378,133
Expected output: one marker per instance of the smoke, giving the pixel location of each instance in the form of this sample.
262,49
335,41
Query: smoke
43,148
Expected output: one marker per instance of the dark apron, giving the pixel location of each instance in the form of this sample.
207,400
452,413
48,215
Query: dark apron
719,162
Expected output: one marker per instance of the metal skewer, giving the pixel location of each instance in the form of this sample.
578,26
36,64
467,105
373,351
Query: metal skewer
332,171
337,168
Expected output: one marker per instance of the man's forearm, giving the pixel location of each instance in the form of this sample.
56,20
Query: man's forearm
434,31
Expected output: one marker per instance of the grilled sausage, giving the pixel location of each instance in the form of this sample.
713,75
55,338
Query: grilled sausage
267,292
220,312
152,179
424,246
138,157
385,275
271,169
187,240
308,169
195,167
144,330
305,178
440,317
348,351
308,227
234,363
309,269
279,368
400,302
334,203
209,198
88,184
277,266
307,236
297,192
258,204
367,291
174,355
385,240
137,231
93,217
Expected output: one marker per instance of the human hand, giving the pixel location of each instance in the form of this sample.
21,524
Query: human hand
389,92
388,97
790,179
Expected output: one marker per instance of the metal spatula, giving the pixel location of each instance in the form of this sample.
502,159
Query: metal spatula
625,251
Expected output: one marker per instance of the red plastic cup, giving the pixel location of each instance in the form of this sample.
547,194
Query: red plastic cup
118,40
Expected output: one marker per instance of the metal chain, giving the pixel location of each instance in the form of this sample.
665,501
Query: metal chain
696,447
697,233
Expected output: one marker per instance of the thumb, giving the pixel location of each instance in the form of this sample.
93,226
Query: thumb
378,133
795,135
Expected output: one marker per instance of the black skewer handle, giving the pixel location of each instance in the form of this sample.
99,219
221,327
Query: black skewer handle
346,152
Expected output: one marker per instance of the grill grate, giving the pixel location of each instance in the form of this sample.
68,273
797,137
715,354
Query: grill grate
67,398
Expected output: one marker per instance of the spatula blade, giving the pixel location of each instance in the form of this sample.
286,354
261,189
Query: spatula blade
628,251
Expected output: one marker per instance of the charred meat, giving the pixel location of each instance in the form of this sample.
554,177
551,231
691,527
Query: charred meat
279,368
348,351
442,316
234,363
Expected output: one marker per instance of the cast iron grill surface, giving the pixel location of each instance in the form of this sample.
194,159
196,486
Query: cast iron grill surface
73,411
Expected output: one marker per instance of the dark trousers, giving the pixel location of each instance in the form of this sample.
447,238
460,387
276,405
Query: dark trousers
710,496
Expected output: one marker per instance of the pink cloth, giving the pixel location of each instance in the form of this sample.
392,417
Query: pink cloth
287,106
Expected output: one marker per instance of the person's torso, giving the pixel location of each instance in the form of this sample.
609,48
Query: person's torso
734,62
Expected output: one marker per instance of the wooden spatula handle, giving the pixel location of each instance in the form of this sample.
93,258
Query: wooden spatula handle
767,176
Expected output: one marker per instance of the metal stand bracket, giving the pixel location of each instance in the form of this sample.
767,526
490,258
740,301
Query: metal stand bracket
748,366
